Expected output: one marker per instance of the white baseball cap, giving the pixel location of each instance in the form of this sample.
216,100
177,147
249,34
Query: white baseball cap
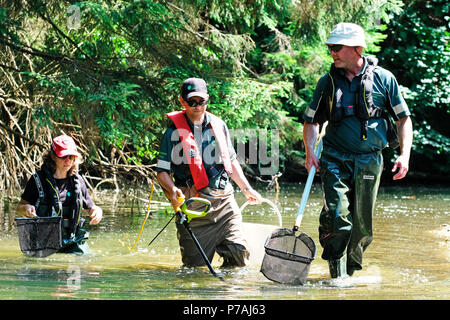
348,34
64,146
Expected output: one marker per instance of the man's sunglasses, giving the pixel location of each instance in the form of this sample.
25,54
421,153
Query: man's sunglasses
335,47
194,103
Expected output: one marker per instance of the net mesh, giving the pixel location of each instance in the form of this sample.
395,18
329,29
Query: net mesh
288,257
39,237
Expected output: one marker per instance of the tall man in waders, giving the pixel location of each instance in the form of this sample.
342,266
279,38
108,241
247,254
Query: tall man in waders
197,149
357,98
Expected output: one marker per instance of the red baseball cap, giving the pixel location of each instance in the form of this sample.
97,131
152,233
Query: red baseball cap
64,146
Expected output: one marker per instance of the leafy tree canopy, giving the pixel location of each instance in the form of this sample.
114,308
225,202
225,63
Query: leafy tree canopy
107,72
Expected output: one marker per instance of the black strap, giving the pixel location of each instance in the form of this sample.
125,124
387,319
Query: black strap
54,193
41,193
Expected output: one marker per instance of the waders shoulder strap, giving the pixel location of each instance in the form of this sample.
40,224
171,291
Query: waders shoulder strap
40,190
77,204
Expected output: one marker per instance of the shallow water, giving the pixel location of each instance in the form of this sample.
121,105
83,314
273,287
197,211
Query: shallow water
408,259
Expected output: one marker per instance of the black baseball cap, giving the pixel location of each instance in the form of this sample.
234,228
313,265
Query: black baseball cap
194,87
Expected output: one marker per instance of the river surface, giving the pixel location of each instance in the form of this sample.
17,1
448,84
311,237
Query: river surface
409,257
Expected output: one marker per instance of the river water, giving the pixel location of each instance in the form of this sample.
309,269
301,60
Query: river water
409,257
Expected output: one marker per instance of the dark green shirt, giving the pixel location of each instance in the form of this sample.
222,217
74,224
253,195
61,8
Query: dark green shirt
346,135
171,155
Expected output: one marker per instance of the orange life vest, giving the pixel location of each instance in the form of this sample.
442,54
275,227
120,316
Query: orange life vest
191,150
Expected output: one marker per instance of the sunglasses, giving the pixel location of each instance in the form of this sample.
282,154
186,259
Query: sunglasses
71,157
194,103
335,47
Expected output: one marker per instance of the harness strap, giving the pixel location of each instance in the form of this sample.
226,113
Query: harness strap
364,108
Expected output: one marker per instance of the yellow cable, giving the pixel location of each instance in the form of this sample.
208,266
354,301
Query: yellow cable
146,216
57,195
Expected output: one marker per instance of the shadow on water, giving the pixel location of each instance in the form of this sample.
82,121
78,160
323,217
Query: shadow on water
408,259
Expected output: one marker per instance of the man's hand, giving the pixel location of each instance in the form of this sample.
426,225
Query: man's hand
253,196
405,135
310,161
177,198
402,165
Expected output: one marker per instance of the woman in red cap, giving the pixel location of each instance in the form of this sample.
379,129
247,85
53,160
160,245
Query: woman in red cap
58,190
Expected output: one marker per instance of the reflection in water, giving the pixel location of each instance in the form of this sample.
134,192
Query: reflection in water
408,259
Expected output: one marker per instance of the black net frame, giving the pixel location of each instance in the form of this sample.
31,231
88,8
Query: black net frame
39,237
288,256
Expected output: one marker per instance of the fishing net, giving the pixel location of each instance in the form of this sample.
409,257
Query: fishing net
39,237
288,257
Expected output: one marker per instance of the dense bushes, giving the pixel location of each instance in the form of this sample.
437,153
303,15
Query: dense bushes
417,51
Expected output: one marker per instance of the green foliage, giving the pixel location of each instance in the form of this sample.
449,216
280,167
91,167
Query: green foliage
115,76
417,51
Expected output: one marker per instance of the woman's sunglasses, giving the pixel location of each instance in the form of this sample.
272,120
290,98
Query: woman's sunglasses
335,47
71,157
194,103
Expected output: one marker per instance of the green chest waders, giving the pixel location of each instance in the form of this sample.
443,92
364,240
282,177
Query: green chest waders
350,184
288,256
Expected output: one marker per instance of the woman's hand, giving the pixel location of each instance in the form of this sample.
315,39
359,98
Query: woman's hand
26,210
96,214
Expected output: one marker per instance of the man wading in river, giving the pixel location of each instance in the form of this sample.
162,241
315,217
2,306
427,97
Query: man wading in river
357,98
202,164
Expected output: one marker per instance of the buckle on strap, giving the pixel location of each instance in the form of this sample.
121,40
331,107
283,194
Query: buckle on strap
187,183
